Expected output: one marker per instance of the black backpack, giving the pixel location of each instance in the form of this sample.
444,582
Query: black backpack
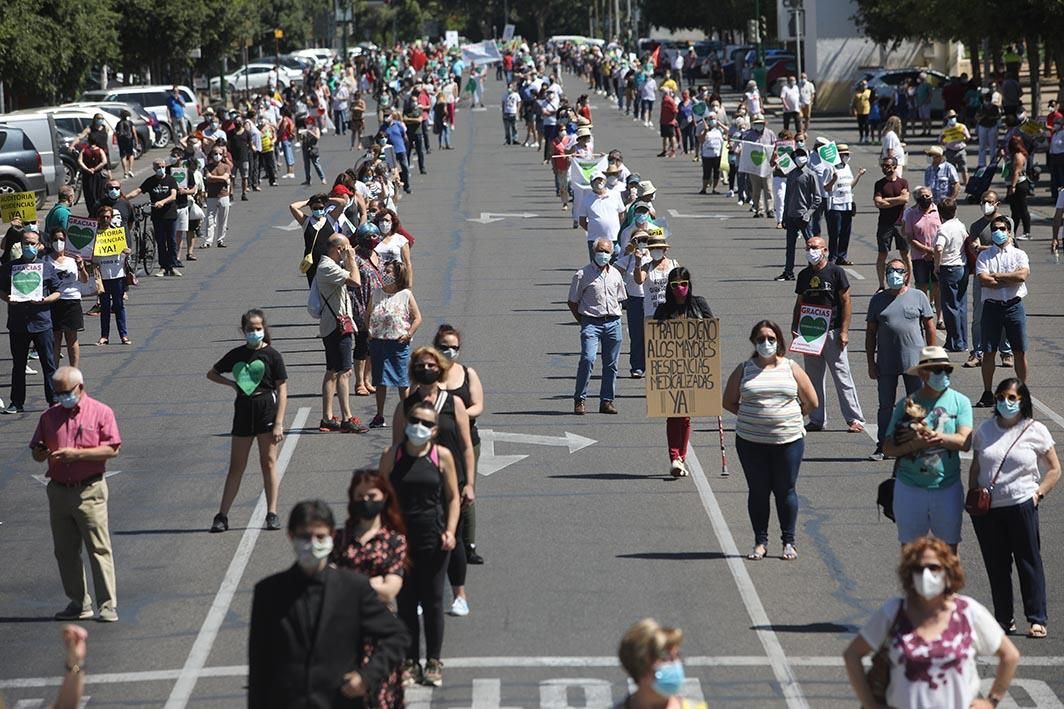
124,128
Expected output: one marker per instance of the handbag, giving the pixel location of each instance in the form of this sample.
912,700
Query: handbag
131,273
343,322
977,501
307,262
878,675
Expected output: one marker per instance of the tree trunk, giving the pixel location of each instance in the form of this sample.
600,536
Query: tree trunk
1034,64
995,56
973,56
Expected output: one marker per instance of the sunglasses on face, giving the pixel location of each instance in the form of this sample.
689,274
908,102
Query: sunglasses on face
934,568
1000,397
423,422
902,271
941,370
680,284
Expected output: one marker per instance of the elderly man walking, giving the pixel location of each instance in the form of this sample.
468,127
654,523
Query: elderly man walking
802,200
77,438
595,297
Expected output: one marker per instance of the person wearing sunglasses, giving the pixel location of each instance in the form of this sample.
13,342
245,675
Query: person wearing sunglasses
771,396
680,302
890,195
899,323
932,636
928,494
1014,456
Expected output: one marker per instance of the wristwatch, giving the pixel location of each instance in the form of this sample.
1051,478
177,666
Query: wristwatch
1040,495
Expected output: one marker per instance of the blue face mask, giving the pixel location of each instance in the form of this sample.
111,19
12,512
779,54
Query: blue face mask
254,337
602,258
668,679
999,237
939,381
1008,409
68,399
895,280
317,213
29,252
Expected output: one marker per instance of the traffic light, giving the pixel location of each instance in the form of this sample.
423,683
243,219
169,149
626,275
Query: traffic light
753,31
763,28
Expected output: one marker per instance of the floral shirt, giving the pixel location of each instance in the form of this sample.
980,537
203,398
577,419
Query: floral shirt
940,672
390,317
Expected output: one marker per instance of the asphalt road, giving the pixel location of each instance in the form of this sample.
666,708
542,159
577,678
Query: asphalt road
580,539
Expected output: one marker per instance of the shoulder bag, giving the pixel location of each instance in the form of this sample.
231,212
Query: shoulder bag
977,501
878,675
343,322
307,262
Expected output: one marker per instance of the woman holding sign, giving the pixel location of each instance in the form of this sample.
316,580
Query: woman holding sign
680,302
261,385
771,396
67,316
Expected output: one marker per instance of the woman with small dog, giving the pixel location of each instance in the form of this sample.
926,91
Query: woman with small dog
926,434
1011,450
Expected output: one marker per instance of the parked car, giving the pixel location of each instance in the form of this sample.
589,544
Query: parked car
41,129
780,66
255,77
318,55
884,82
142,120
733,65
78,120
153,99
288,61
21,168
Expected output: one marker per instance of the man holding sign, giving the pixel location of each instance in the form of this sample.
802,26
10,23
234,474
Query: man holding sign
28,285
823,287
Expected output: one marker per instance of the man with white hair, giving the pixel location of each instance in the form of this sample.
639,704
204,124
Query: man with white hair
76,439
601,213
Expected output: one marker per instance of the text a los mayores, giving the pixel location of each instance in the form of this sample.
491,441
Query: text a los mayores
681,354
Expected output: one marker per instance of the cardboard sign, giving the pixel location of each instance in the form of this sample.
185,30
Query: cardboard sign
952,135
81,236
699,108
27,282
508,33
814,322
683,367
754,159
18,204
110,242
450,38
829,153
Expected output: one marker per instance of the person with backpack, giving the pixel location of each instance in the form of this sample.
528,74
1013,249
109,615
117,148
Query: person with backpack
127,143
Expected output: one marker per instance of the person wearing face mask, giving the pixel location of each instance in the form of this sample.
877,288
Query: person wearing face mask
920,224
337,274
952,275
464,382
77,438
1002,271
260,382
771,395
941,176
803,199
67,316
92,161
337,609
373,543
635,256
1014,457
860,107
396,242
928,494
791,103
600,214
890,195
30,322
954,138
759,186
932,637
650,654
428,367
979,240
841,206
595,296
711,145
316,231
162,191
218,176
392,318
825,284
425,480
653,275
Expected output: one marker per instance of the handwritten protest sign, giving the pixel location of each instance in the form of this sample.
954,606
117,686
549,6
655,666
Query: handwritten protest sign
953,134
814,322
27,282
81,235
683,367
110,242
18,204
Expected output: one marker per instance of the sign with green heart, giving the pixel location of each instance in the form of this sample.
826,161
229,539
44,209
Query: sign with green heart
814,322
27,282
248,375
829,153
754,159
180,175
785,163
699,108
81,234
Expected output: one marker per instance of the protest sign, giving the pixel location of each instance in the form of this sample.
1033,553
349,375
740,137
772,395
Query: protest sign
507,33
699,108
814,322
683,367
784,152
952,135
484,52
81,235
829,153
27,282
110,242
450,38
18,204
755,159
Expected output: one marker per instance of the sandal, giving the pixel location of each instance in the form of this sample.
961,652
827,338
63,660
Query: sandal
758,553
127,341
102,341
191,257
361,391
1037,631
789,553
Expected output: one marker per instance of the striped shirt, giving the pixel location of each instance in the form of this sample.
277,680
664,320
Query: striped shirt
769,411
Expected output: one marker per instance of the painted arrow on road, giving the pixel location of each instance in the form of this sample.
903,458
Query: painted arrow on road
674,213
489,217
44,480
490,463
290,227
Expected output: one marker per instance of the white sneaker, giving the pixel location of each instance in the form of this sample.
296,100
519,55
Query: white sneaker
30,370
460,607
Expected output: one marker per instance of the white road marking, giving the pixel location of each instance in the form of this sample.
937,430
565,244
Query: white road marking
290,227
418,697
792,691
853,272
201,648
554,693
676,215
487,694
489,217
570,440
1041,406
489,463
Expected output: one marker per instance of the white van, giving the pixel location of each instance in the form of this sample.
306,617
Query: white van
153,99
40,128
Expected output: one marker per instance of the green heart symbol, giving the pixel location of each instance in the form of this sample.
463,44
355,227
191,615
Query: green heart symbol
829,153
26,282
812,328
699,108
249,375
784,161
80,236
757,157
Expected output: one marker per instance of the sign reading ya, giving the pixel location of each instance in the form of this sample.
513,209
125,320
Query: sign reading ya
110,242
683,367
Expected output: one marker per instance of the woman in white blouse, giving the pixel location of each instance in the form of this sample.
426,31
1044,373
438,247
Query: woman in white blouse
892,145
1015,457
928,639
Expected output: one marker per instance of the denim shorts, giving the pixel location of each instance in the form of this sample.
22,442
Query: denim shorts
920,511
1008,319
923,272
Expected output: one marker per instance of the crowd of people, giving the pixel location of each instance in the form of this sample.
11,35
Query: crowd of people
410,526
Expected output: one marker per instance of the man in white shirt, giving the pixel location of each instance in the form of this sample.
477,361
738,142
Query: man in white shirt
807,94
511,103
601,214
952,279
791,98
1002,271
648,93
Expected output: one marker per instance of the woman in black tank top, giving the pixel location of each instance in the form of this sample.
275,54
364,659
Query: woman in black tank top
423,475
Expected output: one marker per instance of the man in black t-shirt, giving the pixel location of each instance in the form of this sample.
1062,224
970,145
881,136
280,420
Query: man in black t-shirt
162,191
890,195
825,284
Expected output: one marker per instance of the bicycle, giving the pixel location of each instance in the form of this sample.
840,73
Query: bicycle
142,240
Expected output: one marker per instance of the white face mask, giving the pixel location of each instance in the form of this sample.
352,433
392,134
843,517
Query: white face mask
386,226
657,254
814,255
766,348
988,208
59,246
311,552
929,583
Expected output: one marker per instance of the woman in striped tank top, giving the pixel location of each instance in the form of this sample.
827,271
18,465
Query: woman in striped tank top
771,396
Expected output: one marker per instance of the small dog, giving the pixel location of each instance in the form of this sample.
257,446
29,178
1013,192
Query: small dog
914,417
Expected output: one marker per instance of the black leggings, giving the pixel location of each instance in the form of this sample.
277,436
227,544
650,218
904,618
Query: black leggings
1020,213
423,585
862,127
456,568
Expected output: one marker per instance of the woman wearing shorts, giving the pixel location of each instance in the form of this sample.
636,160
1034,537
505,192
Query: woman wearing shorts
392,318
126,135
260,382
67,317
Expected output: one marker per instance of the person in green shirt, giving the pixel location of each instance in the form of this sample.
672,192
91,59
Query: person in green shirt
928,494
59,215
